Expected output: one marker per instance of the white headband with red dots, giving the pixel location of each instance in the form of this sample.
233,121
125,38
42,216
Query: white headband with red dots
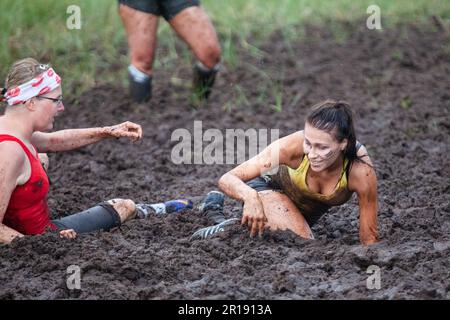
43,83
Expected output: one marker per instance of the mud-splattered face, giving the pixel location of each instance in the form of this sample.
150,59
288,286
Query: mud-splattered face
321,147
48,109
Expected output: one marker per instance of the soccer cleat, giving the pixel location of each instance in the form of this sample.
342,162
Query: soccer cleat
213,200
140,85
206,232
212,206
202,83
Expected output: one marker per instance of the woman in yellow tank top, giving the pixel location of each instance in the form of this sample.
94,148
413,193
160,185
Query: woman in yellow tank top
316,168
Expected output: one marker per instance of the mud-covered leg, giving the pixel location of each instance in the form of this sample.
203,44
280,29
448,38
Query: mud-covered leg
195,28
126,208
141,29
281,213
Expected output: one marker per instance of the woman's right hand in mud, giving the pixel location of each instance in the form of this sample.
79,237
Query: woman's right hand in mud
253,216
126,129
68,233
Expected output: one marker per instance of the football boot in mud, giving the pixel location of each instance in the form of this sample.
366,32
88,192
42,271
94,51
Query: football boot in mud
140,85
207,232
212,206
202,83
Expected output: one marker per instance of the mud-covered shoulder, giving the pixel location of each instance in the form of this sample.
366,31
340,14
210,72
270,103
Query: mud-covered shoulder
362,175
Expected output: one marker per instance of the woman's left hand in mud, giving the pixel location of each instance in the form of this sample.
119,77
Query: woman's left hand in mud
253,216
127,129
68,233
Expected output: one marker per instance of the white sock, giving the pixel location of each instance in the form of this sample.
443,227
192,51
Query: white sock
138,75
204,68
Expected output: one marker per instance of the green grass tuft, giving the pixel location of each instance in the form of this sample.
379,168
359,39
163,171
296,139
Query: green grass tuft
37,28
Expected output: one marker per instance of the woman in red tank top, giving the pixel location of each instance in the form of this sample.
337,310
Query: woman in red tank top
27,210
34,98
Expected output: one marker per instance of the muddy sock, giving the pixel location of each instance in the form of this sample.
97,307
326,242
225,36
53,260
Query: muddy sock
140,85
203,80
143,210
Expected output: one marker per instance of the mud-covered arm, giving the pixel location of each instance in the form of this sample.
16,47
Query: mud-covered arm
363,181
233,182
71,139
277,153
10,171
363,154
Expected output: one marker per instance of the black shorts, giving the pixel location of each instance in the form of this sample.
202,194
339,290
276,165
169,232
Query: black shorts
101,217
166,8
263,183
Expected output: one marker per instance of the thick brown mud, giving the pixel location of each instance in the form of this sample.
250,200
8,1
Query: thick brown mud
398,83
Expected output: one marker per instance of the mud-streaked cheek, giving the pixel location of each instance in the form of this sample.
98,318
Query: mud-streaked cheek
318,154
326,154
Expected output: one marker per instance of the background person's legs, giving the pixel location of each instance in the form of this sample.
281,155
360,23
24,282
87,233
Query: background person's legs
195,28
141,29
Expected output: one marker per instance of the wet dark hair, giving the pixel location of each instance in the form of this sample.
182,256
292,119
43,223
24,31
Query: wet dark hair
336,118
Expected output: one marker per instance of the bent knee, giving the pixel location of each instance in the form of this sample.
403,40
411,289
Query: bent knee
143,62
210,56
129,205
126,208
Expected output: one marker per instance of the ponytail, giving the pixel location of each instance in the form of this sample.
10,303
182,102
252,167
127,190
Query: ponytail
336,118
2,94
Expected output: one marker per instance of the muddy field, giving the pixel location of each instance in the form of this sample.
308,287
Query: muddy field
398,83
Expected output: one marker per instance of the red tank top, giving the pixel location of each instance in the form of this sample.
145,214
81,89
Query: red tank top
27,210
